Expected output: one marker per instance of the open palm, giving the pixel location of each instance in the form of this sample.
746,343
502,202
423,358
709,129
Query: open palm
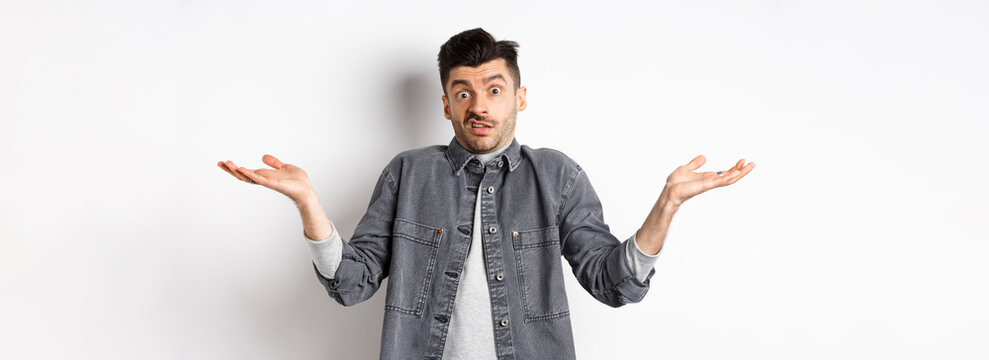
287,179
684,183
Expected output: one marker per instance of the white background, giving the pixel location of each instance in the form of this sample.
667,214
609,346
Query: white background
860,234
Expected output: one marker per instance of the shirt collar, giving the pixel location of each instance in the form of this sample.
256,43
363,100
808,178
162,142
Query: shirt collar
459,156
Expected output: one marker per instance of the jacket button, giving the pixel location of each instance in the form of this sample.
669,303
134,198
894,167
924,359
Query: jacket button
504,322
439,231
500,276
500,163
492,230
490,189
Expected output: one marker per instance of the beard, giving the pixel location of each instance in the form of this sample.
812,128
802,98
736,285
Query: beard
493,140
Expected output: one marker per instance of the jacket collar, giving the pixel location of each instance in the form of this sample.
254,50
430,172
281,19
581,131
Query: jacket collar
459,156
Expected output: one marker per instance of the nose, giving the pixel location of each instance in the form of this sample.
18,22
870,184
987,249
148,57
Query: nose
479,105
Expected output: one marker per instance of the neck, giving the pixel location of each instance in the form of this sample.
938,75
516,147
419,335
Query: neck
484,158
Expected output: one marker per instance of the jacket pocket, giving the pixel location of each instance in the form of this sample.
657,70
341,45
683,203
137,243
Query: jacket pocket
414,248
540,273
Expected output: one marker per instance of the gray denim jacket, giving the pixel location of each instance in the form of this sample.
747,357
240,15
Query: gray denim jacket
537,205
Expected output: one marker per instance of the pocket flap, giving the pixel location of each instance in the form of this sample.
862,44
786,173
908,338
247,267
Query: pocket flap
536,237
417,232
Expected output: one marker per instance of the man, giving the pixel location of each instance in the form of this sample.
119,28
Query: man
471,233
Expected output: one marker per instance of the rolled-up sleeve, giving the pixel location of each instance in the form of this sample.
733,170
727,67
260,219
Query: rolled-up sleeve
598,259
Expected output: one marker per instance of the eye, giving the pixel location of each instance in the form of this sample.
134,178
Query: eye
495,90
463,95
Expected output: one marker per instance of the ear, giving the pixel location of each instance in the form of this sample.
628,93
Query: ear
446,107
521,98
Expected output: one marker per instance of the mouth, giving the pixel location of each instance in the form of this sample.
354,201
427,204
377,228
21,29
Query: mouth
479,128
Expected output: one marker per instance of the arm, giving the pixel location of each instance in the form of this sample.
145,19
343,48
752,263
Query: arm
326,248
365,258
652,234
598,258
681,185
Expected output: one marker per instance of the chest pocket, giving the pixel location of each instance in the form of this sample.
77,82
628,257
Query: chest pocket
414,248
540,273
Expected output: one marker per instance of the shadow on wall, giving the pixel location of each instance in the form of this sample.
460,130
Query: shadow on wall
420,112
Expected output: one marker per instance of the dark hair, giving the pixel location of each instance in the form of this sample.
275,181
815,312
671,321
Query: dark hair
474,47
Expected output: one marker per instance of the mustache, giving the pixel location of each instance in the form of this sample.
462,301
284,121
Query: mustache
478,118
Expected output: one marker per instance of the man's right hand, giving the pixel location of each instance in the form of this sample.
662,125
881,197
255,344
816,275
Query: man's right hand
287,179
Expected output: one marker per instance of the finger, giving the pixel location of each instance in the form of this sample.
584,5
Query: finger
224,167
696,163
272,161
747,169
254,176
723,173
734,169
237,174
234,172
713,180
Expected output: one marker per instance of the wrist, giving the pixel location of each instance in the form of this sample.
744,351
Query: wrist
662,212
666,203
308,200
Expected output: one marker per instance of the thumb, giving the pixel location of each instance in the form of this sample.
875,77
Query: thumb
696,162
272,161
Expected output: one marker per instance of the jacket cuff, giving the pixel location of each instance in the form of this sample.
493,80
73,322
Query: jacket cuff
629,288
353,281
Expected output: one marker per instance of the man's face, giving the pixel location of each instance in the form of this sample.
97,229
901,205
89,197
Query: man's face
484,95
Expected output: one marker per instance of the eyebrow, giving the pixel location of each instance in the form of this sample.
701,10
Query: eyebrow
489,79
